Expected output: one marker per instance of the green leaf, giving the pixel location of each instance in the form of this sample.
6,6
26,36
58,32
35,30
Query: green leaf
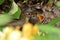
49,36
15,11
51,33
49,1
14,8
24,1
52,36
11,0
5,18
17,14
1,28
1,1
38,37
53,22
57,3
48,29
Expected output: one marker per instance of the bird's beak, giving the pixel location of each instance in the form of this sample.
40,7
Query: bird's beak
41,17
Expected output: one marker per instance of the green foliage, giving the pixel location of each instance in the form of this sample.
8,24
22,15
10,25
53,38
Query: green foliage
17,14
15,11
57,3
51,33
49,36
1,28
24,1
11,0
53,22
1,1
4,19
49,1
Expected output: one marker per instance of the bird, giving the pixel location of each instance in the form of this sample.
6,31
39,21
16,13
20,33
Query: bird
37,17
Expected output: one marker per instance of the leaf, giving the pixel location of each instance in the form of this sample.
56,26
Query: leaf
57,3
49,1
52,33
15,11
52,36
49,36
4,19
1,28
11,0
17,14
53,22
38,37
24,1
49,29
1,1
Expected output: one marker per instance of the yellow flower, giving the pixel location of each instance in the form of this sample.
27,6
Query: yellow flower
27,29
35,29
